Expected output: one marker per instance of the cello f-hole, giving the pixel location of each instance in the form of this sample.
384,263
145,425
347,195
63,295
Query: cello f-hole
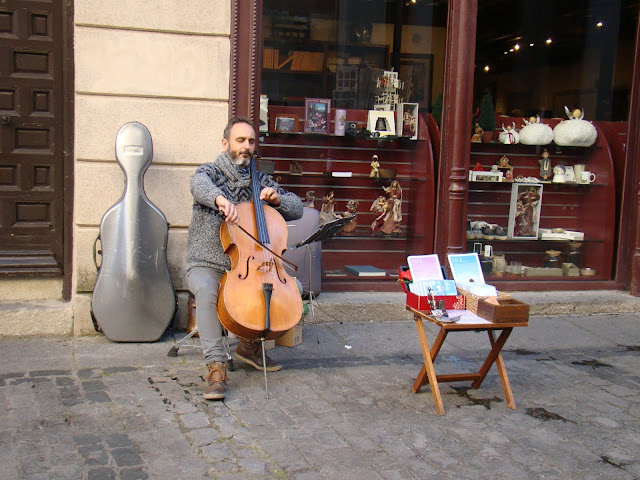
247,269
282,280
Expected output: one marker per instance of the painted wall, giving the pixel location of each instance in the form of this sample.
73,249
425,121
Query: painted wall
165,64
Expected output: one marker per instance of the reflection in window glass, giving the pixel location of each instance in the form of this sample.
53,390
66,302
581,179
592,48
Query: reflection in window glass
337,50
535,58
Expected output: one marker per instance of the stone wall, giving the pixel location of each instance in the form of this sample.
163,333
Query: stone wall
164,64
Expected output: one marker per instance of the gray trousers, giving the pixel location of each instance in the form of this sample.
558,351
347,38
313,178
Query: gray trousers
204,283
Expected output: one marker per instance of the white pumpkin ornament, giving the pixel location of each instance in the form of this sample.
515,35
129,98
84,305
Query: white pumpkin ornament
575,132
534,132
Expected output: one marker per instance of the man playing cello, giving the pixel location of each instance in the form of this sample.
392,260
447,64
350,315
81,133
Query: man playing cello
217,188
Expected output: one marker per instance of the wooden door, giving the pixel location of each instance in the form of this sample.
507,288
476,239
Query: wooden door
31,143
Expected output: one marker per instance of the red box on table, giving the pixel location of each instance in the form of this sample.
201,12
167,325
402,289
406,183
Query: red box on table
419,302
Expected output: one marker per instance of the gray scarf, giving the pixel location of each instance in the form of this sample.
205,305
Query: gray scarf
239,175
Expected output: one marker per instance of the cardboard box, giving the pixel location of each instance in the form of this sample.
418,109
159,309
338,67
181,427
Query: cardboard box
508,310
292,338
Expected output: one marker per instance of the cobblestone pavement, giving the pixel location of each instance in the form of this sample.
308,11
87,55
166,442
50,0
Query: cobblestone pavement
342,408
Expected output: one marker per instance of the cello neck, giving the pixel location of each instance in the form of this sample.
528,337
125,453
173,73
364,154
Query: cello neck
261,223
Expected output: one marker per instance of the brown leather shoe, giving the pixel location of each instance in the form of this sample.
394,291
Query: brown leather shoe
216,381
250,352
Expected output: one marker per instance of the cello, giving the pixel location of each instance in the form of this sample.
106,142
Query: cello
257,299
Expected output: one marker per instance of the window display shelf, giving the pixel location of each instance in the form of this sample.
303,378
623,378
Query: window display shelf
412,163
587,208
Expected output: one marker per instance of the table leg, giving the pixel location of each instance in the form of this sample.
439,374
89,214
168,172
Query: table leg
435,349
493,354
427,367
506,385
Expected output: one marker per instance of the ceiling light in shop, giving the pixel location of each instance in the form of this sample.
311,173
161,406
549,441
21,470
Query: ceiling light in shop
599,24
486,68
547,41
516,46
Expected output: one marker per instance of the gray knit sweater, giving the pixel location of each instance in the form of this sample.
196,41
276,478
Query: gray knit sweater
223,177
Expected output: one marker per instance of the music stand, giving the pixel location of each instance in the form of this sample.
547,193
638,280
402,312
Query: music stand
325,232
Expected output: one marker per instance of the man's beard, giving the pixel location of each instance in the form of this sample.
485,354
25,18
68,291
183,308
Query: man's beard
237,159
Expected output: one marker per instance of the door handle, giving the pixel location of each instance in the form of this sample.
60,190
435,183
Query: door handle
5,119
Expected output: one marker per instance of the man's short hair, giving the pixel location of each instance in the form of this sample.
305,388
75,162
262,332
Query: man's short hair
232,122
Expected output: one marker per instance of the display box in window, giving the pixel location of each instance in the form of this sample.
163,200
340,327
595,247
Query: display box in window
476,176
524,211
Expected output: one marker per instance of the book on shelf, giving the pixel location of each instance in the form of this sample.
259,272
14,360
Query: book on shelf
335,273
365,270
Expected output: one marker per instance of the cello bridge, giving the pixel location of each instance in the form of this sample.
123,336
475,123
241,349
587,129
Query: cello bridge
267,266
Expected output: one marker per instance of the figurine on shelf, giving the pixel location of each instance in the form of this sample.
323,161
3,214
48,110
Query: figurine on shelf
545,165
575,132
478,133
388,210
478,167
534,132
506,168
408,124
508,175
351,211
309,199
375,167
378,207
558,174
327,210
508,135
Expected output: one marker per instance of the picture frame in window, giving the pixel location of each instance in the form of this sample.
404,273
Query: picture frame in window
317,115
381,122
416,71
407,120
524,211
285,122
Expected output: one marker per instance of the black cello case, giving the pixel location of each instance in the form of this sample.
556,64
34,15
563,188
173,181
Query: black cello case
133,298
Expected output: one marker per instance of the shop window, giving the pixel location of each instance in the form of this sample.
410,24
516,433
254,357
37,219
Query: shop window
348,92
551,101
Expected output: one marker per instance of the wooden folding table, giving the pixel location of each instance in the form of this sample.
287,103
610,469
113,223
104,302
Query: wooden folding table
468,322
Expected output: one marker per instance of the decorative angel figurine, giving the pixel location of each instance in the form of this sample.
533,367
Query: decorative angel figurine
388,210
575,132
534,132
477,134
508,135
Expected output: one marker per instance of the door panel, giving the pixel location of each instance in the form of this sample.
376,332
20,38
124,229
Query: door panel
31,153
